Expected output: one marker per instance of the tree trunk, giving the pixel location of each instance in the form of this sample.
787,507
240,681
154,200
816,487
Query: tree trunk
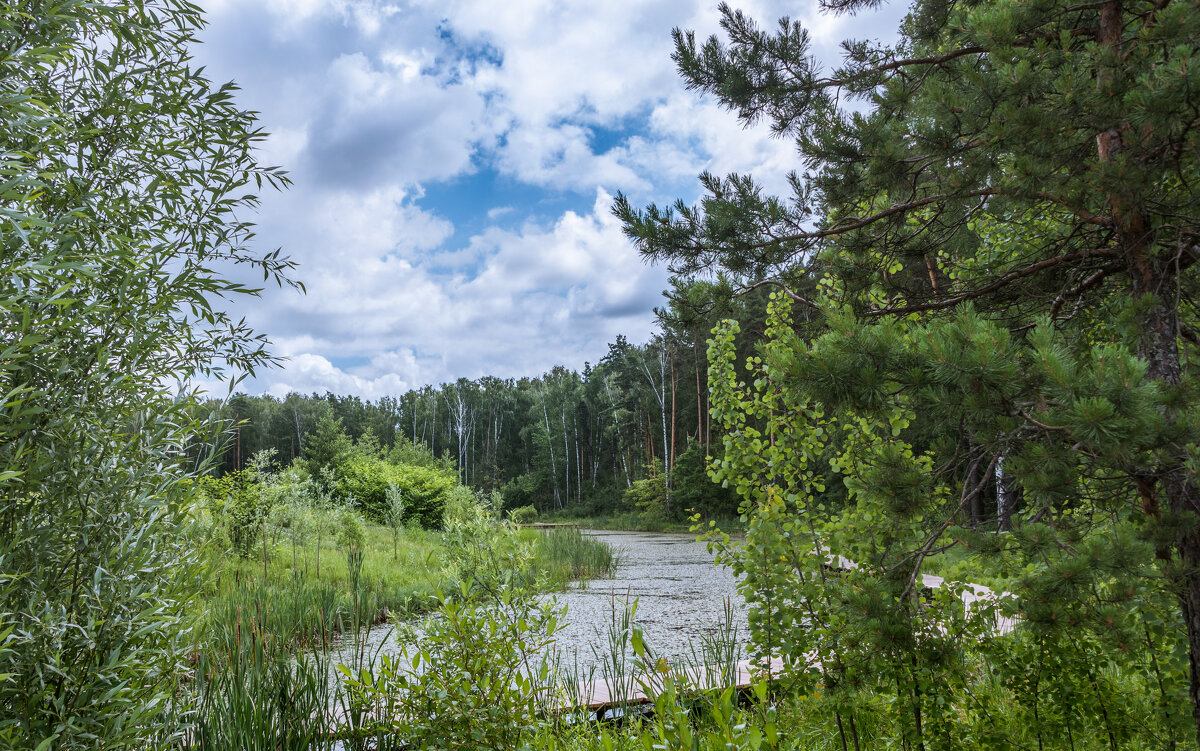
1159,347
974,481
1152,273
550,445
1008,496
667,479
1153,284
699,402
566,455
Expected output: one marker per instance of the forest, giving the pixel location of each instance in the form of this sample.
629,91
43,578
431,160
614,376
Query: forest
943,379
564,442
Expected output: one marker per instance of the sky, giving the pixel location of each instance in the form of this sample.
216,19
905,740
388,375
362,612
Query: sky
454,163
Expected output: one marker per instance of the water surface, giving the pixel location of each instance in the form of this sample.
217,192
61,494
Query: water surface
681,596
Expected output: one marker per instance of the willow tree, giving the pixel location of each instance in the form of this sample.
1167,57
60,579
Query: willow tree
123,175
1003,233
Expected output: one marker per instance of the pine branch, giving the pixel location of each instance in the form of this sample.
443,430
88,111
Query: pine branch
999,283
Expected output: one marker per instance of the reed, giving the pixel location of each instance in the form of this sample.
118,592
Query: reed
564,556
713,664
254,693
251,689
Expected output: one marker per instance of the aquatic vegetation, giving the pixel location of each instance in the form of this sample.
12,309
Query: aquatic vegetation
565,556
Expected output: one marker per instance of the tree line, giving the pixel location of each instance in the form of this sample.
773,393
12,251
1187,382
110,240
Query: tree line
565,441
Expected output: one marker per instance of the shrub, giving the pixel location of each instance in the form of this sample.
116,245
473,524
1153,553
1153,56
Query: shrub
473,676
127,179
520,491
238,508
523,515
366,481
649,496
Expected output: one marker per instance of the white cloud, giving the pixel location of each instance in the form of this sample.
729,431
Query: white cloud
308,373
373,102
384,124
570,66
522,302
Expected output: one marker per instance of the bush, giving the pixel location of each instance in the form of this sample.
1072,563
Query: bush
405,452
520,491
123,245
238,508
649,496
365,482
475,675
523,515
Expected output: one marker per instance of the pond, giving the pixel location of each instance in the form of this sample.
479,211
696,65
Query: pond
681,596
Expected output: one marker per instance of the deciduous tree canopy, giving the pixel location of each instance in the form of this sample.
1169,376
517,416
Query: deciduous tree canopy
123,171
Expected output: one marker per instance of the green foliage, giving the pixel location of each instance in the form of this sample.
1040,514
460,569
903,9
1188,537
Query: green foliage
393,513
567,442
328,448
649,495
868,637
367,481
523,515
521,491
474,676
299,604
127,176
405,452
693,490
993,357
237,503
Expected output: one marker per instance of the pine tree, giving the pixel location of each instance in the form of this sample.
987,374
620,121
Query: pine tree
327,448
1003,239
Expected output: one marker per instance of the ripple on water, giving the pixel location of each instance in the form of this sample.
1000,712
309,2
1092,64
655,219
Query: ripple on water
681,596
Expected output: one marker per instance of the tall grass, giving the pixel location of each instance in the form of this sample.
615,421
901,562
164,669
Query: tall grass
275,626
626,668
255,694
307,592
564,555
714,664
251,689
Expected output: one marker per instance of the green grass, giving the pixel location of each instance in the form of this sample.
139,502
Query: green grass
304,594
564,555
263,668
634,521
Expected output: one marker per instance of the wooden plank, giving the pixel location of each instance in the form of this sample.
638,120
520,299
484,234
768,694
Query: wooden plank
597,695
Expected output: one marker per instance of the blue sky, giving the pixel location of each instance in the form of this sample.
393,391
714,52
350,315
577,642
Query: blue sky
454,163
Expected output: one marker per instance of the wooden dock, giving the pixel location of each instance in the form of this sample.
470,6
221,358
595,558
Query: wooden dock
600,697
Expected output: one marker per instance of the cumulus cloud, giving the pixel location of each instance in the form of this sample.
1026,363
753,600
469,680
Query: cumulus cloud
374,103
520,302
385,123
309,373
